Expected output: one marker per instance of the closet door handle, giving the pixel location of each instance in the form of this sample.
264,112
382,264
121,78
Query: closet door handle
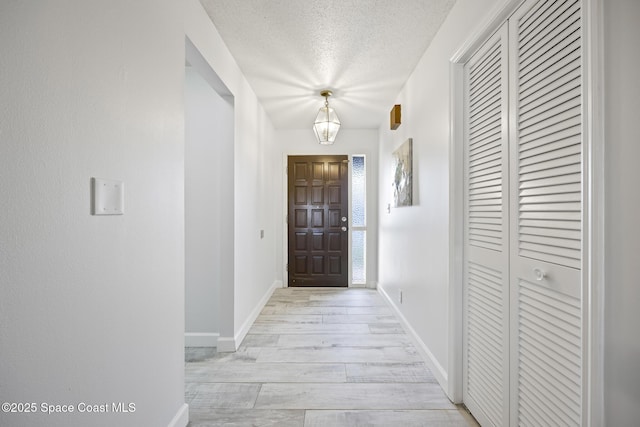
540,275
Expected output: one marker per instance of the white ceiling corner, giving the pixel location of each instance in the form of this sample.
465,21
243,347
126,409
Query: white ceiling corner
363,50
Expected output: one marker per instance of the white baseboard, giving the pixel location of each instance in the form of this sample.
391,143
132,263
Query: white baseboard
429,359
226,345
368,285
181,419
201,339
231,344
244,329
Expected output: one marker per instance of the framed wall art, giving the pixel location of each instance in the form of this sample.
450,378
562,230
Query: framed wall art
403,175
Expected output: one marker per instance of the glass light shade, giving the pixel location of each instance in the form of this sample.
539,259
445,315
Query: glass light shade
326,125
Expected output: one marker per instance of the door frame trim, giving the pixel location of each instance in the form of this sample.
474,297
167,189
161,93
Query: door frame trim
593,186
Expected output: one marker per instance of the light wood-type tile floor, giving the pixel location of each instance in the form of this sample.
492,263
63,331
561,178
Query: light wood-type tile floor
320,357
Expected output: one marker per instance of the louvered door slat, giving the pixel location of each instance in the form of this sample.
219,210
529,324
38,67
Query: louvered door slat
485,344
482,194
530,150
555,179
485,141
554,161
550,232
538,67
558,26
558,225
560,108
487,102
546,213
490,187
551,338
537,40
546,402
559,363
549,197
483,149
560,392
549,99
565,174
486,73
538,12
563,138
553,76
549,128
558,17
488,133
550,79
486,88
487,105
482,163
488,112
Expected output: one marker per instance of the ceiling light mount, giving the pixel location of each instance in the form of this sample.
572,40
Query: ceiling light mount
327,123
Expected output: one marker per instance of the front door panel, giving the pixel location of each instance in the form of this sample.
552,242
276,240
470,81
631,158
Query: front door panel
317,221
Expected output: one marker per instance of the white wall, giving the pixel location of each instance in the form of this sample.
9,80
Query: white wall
208,199
348,142
92,306
414,241
254,183
622,176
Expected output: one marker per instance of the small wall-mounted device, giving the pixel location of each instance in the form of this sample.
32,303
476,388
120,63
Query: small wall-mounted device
108,197
395,118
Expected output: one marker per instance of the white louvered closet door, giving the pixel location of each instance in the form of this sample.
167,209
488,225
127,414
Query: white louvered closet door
486,272
523,302
546,217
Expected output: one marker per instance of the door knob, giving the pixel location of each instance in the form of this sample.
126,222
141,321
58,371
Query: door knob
344,228
344,219
540,275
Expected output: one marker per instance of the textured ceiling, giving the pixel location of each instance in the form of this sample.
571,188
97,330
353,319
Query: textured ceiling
362,50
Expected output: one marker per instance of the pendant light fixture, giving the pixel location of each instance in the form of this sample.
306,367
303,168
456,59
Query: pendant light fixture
327,123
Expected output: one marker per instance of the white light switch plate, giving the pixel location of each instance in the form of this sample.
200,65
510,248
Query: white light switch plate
108,197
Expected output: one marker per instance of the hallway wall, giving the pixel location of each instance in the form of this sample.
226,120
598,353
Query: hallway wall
622,204
414,241
254,181
91,307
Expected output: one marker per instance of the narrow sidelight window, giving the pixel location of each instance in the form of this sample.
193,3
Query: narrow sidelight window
358,220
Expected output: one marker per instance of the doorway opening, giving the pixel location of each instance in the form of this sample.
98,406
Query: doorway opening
209,240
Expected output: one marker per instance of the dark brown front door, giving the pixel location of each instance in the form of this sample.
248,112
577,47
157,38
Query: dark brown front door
317,217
